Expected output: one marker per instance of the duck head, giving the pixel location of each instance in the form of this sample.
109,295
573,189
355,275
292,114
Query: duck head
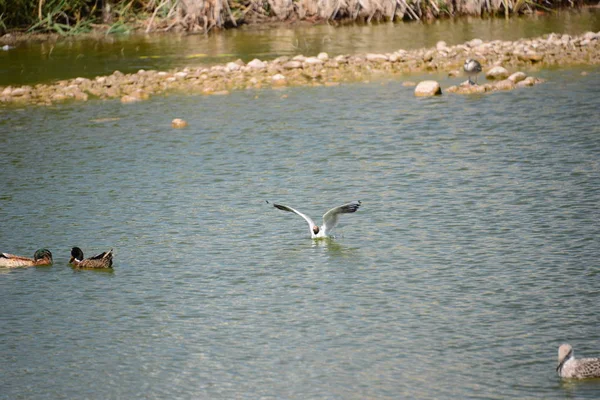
76,254
43,255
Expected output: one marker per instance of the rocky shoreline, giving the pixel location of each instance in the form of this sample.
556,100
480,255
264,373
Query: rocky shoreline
548,50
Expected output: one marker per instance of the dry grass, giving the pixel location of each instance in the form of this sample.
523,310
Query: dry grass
65,16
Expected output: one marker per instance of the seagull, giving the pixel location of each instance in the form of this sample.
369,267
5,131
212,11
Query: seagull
330,218
472,68
569,367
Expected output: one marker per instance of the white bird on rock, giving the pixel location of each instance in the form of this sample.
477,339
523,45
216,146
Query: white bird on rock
330,218
569,367
472,68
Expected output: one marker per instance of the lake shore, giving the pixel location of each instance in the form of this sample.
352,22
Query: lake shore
553,50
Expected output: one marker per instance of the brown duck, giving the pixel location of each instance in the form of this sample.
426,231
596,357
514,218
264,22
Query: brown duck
41,257
102,260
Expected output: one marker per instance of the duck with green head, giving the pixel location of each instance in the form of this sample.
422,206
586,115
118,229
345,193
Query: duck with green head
41,257
102,260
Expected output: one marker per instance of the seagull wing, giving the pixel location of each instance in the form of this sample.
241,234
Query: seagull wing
330,219
311,223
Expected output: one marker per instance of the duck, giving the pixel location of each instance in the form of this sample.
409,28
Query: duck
102,260
472,68
40,257
569,367
330,218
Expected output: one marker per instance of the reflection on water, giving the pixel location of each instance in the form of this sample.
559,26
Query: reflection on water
474,255
39,62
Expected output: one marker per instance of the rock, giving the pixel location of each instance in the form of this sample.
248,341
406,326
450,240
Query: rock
140,94
278,79
441,45
505,84
313,61
129,99
529,81
428,56
590,36
19,92
257,64
531,57
474,43
323,56
180,75
467,89
231,66
292,65
428,88
58,97
179,123
376,57
497,73
517,77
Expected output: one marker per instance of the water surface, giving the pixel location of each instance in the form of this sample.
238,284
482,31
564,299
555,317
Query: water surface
474,256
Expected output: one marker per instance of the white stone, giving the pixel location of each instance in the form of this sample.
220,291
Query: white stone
231,66
428,88
313,61
376,57
292,65
517,77
257,64
497,72
323,56
278,78
474,43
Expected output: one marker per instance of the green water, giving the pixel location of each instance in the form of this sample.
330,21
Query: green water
42,62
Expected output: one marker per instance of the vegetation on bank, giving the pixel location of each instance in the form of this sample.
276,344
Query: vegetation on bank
69,17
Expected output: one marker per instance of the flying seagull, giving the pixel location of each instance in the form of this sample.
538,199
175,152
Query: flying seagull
472,68
330,218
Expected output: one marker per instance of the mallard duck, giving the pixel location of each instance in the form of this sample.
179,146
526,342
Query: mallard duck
41,257
570,367
102,260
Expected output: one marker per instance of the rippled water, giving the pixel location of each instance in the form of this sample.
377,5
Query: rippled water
31,63
474,256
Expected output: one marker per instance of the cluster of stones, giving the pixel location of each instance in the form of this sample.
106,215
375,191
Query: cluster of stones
499,79
549,50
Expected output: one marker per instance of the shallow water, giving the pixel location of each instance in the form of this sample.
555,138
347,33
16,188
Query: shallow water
31,63
474,255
